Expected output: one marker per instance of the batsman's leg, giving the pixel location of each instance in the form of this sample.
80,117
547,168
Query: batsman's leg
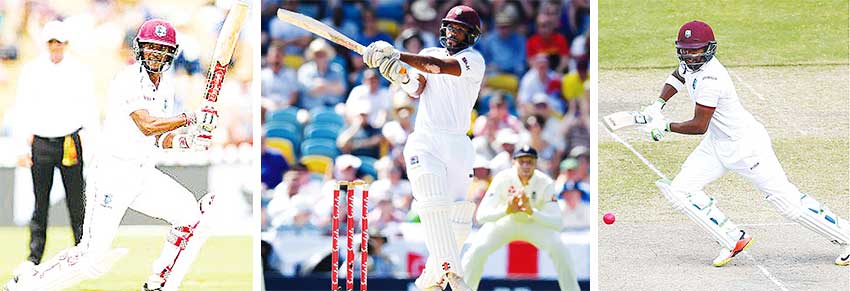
107,200
434,207
191,222
766,173
686,195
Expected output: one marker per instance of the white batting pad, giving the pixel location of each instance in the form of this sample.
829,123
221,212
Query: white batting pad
435,209
813,215
702,209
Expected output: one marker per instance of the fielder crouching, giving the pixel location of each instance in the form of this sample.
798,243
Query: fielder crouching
139,122
519,205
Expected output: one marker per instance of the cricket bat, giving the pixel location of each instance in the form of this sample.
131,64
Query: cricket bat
622,119
317,27
223,52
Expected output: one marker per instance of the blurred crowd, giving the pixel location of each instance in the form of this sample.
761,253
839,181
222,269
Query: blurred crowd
326,118
101,32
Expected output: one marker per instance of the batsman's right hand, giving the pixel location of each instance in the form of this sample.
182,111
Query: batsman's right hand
376,53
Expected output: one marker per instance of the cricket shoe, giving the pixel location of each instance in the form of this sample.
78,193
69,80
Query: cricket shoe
844,258
426,283
726,255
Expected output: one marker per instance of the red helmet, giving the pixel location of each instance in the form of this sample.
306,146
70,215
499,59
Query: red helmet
695,35
466,16
160,32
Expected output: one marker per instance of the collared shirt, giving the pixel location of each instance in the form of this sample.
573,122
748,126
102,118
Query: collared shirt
712,86
132,90
54,100
446,103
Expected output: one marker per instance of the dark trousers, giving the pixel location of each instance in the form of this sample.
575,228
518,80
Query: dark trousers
47,154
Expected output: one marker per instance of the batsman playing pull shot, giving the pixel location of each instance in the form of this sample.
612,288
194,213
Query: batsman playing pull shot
520,204
139,121
438,153
734,141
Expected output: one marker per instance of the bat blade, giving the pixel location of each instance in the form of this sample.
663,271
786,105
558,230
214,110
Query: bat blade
224,47
622,119
317,27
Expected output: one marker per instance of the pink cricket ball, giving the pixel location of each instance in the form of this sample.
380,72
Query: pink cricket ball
609,218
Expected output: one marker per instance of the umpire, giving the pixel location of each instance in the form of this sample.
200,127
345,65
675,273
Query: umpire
55,98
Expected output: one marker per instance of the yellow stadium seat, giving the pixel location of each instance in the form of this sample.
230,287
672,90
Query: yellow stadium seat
293,61
317,164
284,146
388,26
505,82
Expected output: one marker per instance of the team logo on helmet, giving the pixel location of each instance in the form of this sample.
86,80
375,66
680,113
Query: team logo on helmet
688,33
458,11
160,30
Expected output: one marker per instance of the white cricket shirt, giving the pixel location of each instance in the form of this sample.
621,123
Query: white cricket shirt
711,86
133,90
446,103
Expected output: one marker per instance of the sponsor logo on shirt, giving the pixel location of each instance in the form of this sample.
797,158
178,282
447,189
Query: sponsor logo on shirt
709,78
414,160
465,62
695,84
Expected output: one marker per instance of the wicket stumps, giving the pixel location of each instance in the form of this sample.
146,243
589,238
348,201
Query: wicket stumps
348,188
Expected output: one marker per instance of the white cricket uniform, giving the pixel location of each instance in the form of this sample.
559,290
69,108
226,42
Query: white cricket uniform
439,158
736,142
439,144
542,228
124,174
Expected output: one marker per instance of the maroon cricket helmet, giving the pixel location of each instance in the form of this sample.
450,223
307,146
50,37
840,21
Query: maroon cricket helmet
156,31
695,35
466,16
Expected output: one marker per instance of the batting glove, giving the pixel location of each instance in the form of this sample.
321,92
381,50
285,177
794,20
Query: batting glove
201,140
394,71
207,118
655,108
377,52
658,128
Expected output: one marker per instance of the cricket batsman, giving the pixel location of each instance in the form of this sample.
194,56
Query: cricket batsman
139,122
438,153
734,141
520,204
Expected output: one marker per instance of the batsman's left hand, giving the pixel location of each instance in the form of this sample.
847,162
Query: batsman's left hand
657,128
206,124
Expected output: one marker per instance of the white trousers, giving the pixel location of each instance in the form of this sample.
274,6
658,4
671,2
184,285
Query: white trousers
495,235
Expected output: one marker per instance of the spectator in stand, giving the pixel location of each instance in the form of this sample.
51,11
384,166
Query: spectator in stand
322,82
392,185
481,177
370,31
506,141
272,166
548,152
360,138
291,38
550,43
497,117
277,80
504,49
380,264
536,81
410,40
372,93
573,89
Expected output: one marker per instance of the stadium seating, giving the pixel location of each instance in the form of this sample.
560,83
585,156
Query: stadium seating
507,82
367,166
317,164
324,115
283,130
319,146
321,130
284,146
289,114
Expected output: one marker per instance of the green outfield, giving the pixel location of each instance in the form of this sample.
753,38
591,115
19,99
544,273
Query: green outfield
641,33
224,262
789,63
